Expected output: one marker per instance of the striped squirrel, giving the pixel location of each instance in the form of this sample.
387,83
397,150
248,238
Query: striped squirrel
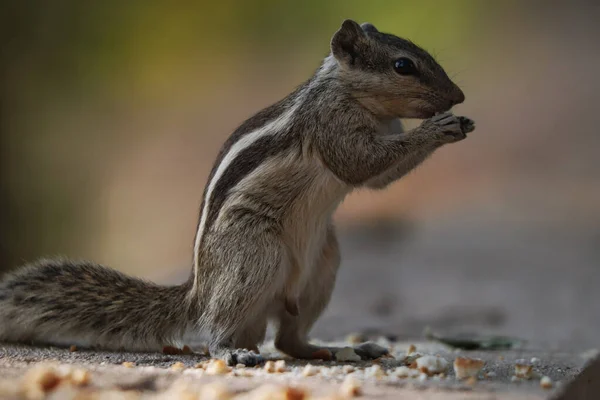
265,249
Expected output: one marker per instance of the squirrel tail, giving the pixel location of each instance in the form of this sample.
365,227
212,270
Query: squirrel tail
66,303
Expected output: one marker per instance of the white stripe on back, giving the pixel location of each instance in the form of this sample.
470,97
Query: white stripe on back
271,128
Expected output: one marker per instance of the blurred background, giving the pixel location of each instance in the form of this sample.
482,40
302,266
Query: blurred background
111,114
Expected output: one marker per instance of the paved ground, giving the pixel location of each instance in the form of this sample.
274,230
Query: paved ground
538,284
154,374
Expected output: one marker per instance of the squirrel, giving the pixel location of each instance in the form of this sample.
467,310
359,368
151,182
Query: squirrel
265,248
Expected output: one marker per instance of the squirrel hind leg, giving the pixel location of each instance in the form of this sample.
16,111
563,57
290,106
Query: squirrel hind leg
254,277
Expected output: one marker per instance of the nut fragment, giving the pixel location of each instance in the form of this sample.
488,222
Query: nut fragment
217,367
40,380
467,367
178,366
280,366
269,367
310,370
351,387
79,377
374,371
523,371
214,391
347,354
276,392
431,365
546,382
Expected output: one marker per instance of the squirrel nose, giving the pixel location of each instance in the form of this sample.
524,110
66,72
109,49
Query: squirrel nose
457,96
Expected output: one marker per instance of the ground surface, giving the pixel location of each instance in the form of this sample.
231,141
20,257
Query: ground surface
152,375
538,284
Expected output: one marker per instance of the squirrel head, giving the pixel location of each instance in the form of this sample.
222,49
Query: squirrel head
391,76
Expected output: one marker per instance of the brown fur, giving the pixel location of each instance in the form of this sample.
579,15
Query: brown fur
265,249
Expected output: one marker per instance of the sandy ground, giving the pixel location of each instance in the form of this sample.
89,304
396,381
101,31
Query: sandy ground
159,375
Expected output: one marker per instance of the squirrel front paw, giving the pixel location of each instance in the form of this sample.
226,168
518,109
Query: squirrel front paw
448,128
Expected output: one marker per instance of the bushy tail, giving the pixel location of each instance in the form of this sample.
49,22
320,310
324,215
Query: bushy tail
64,303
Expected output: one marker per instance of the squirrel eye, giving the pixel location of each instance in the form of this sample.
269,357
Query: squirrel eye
404,66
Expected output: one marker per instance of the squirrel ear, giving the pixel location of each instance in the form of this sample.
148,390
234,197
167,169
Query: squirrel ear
345,40
368,27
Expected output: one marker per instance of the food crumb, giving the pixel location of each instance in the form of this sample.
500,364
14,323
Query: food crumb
128,364
467,367
347,354
40,380
310,370
280,366
411,349
374,371
269,367
80,377
214,391
216,367
351,387
348,369
431,365
523,371
178,366
546,382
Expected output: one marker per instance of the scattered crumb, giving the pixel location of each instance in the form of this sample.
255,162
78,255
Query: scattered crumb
80,377
280,366
214,391
348,369
351,387
374,371
347,354
431,365
546,382
128,364
217,367
523,371
40,380
310,370
276,392
73,348
403,372
269,366
178,366
411,349
467,367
